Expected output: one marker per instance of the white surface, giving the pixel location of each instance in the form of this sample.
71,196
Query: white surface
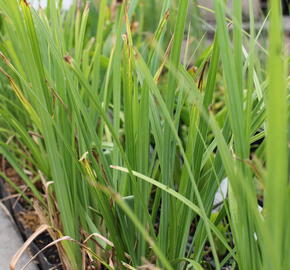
43,3
222,192
10,242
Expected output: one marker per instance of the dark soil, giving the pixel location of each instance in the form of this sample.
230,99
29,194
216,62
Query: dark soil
27,220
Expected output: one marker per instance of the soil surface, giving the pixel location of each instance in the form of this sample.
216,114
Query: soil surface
26,219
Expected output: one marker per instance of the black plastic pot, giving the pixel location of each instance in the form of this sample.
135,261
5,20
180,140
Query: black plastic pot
15,208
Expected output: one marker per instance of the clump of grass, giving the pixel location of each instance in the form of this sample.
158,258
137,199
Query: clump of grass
96,101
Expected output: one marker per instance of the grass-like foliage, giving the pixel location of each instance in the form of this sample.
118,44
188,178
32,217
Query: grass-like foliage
129,119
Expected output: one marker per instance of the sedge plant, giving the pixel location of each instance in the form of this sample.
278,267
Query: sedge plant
131,143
